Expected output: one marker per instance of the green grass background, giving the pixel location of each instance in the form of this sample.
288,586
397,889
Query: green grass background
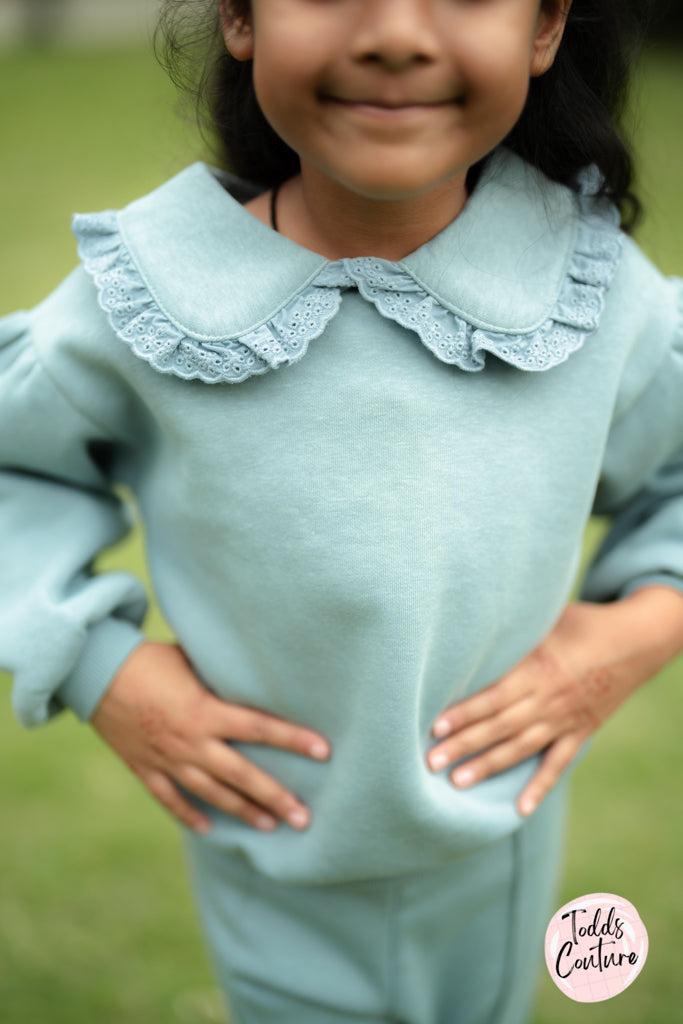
96,922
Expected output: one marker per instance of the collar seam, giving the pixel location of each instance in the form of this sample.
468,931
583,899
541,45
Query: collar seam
184,328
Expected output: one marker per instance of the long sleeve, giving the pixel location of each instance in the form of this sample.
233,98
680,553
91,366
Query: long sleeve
641,484
64,631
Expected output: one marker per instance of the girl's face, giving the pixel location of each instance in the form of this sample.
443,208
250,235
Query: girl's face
390,98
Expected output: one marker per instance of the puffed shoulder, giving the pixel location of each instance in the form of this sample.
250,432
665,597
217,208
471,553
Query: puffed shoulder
65,344
646,429
641,483
14,337
13,333
645,320
46,393
197,287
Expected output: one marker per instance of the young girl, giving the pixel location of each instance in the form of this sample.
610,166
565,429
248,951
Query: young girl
367,395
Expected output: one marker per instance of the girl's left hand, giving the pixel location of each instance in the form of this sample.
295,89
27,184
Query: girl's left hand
557,696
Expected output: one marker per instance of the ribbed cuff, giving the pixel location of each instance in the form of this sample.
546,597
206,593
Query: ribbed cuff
109,644
659,579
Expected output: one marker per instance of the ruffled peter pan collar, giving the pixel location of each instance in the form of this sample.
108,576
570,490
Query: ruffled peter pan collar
198,287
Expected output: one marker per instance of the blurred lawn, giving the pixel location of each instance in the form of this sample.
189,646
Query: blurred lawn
95,918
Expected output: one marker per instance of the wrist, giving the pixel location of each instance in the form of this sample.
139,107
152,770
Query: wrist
657,617
109,644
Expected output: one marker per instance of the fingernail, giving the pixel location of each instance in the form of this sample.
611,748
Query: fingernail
527,806
203,827
266,822
299,819
437,761
319,750
441,727
463,777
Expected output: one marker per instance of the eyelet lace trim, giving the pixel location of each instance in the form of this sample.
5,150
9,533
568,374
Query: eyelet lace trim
139,321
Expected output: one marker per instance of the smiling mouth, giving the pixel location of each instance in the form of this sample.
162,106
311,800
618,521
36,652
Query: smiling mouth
393,107
380,108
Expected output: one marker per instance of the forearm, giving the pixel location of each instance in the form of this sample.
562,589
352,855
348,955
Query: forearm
650,621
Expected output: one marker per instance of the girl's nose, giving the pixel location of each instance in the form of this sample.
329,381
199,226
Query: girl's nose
396,33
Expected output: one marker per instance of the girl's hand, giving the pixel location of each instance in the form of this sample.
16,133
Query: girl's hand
592,660
169,729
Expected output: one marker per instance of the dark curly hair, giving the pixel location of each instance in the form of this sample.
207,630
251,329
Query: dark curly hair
573,117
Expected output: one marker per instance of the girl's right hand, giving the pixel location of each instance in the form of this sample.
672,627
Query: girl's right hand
169,729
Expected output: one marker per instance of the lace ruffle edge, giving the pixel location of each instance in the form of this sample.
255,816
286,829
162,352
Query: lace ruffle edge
453,340
147,329
152,335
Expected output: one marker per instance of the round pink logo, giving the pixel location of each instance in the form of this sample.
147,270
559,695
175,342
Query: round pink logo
595,946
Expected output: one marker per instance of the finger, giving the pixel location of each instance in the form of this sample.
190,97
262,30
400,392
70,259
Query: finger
485,704
503,756
224,765
248,725
507,723
225,799
556,760
165,793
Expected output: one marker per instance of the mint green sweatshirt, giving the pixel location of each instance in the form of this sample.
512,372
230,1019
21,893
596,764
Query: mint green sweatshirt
363,484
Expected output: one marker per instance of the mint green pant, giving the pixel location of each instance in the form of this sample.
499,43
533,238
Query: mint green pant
460,944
